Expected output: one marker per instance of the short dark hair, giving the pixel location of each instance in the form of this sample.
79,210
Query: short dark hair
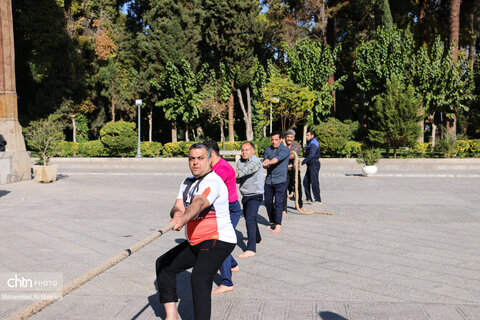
274,133
250,143
213,145
311,132
199,145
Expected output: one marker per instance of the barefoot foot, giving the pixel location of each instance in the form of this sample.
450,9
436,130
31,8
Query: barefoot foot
222,289
277,229
235,269
247,254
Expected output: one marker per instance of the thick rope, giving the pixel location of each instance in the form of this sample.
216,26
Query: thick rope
75,284
298,171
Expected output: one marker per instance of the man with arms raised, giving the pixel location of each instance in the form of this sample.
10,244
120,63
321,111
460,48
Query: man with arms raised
251,180
201,205
276,163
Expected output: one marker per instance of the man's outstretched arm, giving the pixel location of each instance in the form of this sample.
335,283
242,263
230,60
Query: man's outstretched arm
198,204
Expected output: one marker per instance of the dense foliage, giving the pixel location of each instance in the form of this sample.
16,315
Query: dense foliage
211,69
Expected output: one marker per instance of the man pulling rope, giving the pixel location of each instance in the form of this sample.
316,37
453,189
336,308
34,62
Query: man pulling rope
201,205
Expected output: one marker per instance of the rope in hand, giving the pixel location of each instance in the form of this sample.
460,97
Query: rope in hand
75,284
298,172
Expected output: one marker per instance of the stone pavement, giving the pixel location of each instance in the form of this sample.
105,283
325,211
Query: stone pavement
400,245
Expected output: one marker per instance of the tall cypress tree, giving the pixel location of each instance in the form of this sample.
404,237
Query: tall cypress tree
395,116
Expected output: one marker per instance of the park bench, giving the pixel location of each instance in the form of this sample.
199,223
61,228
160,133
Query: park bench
231,154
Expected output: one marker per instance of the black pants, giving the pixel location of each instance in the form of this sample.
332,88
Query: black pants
250,211
205,258
290,187
311,178
274,209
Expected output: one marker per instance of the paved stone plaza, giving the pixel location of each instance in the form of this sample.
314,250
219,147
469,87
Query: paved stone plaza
404,244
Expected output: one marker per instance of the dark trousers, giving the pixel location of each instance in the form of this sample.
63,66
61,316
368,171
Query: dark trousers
290,186
274,191
250,211
311,179
229,263
205,258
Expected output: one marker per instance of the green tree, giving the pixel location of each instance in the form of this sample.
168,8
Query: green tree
292,102
115,86
443,86
119,138
310,64
42,134
232,33
395,116
388,53
181,92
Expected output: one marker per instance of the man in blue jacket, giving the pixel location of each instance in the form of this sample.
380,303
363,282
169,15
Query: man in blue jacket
276,162
312,160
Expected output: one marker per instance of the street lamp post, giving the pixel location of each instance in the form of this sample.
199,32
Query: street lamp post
138,103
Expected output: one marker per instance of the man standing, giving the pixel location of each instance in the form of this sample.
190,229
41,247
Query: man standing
312,160
201,205
251,180
290,184
276,163
227,173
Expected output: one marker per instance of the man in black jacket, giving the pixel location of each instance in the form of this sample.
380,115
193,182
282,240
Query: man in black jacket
312,160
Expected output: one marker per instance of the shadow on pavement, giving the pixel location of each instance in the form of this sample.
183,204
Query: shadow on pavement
61,176
185,302
262,220
327,315
4,192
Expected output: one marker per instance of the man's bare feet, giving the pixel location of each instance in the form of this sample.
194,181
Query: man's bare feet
268,227
284,213
247,254
235,269
277,229
222,289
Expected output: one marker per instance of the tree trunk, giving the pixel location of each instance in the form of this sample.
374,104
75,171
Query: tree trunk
304,140
150,124
454,32
421,22
113,110
322,22
471,50
331,39
74,129
434,128
199,131
231,105
395,153
174,131
187,129
247,113
421,123
454,26
222,133
333,110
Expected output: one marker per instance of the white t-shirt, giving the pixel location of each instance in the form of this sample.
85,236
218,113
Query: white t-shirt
214,222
